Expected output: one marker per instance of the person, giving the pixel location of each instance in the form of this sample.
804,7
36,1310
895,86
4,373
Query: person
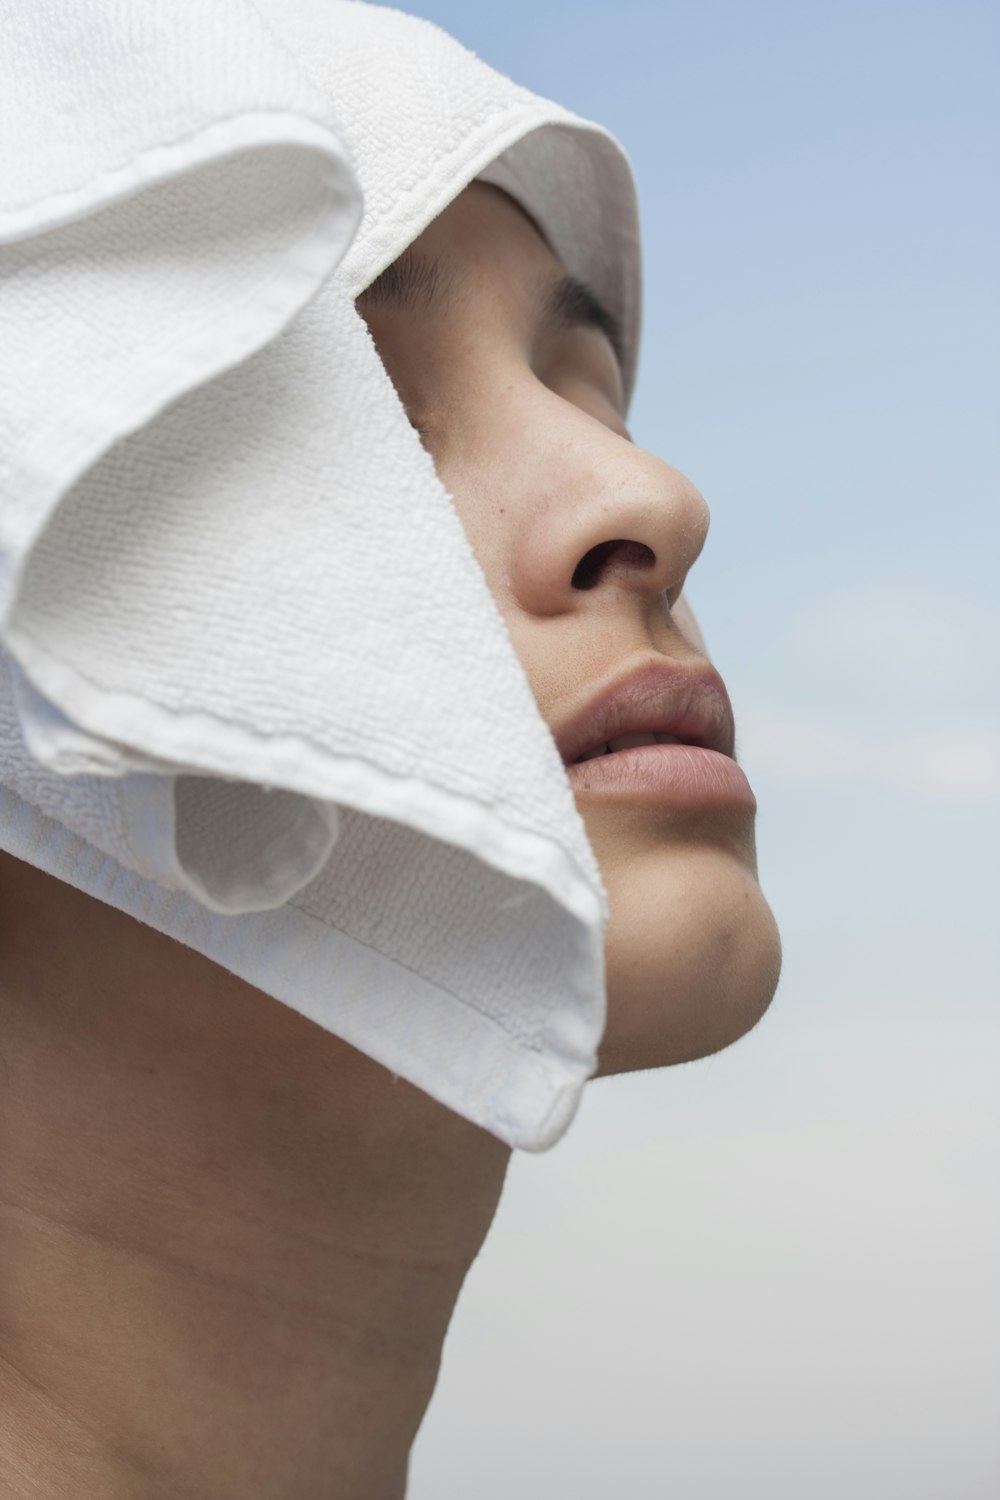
232,1241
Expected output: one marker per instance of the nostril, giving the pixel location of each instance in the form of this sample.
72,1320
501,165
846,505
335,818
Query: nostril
589,568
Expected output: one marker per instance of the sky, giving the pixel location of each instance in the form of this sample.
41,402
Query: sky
773,1273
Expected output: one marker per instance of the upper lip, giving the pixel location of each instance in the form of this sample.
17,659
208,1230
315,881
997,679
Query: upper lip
689,703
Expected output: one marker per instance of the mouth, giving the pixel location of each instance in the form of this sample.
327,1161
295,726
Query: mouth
663,733
660,704
629,742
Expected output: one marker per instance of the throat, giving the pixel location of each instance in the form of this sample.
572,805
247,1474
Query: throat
237,1241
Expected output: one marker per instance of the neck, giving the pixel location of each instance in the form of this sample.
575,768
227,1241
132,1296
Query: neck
233,1244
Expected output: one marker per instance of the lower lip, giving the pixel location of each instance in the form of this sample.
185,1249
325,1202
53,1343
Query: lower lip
675,775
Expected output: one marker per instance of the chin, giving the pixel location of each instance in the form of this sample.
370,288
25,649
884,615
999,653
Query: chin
693,955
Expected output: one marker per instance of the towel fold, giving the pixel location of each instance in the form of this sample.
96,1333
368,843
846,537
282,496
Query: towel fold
254,689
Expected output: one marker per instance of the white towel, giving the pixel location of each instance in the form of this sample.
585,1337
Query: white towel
254,688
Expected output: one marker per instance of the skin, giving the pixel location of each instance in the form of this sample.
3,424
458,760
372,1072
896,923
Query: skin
231,1243
525,424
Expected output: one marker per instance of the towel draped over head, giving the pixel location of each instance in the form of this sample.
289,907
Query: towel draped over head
254,689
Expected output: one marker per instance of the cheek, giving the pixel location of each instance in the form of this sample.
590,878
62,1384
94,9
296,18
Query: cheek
480,471
478,502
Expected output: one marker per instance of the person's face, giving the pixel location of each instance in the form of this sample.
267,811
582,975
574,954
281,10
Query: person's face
586,542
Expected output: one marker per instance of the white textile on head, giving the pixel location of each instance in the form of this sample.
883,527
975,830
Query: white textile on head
254,689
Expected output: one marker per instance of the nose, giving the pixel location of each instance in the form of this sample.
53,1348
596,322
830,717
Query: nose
596,514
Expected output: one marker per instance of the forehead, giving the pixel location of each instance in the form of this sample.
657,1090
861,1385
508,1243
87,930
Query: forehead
481,211
482,231
485,236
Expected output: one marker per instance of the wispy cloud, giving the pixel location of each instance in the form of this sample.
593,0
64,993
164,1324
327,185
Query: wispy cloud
956,764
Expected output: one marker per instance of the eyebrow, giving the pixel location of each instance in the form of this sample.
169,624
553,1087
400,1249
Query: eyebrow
415,280
411,280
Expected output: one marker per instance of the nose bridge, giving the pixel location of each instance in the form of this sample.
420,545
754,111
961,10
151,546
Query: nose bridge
598,510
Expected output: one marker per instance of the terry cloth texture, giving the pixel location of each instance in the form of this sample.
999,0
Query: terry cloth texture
254,689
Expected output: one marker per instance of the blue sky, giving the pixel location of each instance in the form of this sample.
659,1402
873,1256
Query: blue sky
818,187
